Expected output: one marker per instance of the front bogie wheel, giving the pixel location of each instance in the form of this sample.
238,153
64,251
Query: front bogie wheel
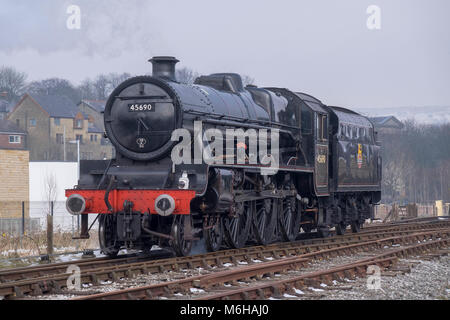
182,238
107,235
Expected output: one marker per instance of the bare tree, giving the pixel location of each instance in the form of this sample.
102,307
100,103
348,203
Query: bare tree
186,75
102,85
247,80
50,189
115,79
55,86
13,82
87,90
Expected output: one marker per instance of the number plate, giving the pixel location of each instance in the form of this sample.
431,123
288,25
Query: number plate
141,107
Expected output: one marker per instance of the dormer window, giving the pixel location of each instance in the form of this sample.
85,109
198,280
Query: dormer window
78,123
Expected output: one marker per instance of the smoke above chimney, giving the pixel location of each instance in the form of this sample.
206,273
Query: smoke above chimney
164,67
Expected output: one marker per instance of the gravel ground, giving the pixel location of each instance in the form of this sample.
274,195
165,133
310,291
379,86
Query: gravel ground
428,279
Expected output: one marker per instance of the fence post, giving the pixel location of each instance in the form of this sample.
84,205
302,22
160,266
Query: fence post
50,230
23,218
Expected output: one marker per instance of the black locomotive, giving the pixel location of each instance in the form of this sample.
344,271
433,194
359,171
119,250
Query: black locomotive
327,174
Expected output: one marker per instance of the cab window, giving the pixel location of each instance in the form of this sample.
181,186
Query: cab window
306,119
322,127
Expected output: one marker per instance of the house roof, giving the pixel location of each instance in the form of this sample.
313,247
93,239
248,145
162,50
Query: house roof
56,106
10,128
97,105
94,129
382,121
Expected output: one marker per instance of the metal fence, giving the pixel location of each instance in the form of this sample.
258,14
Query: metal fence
19,217
16,226
423,210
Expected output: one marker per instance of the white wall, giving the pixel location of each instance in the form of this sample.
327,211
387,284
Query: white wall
65,177
65,174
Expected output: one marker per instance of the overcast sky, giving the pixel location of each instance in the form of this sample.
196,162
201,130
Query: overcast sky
322,47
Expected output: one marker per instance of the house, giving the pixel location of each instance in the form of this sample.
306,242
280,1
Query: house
14,160
94,109
11,136
53,123
387,124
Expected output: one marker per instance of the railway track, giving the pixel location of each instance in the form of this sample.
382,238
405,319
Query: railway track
274,288
53,277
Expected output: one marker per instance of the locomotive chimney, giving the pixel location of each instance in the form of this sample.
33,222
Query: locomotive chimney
164,67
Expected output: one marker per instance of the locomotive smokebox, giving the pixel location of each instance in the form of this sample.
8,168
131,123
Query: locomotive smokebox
164,67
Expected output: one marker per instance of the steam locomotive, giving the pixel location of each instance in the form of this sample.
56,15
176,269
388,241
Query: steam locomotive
290,165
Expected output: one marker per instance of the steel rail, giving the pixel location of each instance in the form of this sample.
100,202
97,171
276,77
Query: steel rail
96,274
215,278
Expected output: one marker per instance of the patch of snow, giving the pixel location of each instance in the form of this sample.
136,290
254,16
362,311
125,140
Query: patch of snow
315,289
195,290
288,296
298,291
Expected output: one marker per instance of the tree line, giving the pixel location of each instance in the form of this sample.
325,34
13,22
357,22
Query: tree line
14,83
416,163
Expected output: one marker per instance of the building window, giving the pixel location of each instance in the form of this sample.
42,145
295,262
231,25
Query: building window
92,137
33,122
79,123
14,139
18,122
57,121
80,138
59,138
